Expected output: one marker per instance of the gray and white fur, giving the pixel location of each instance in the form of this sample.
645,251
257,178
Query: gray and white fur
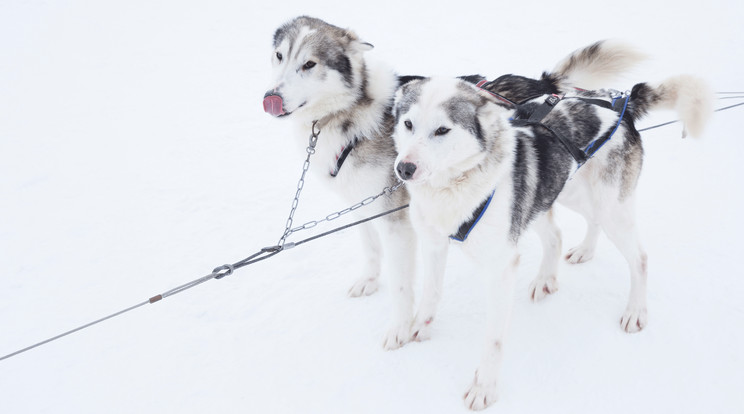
457,145
322,73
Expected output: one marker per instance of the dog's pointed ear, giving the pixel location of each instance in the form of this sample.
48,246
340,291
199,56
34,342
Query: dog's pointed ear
490,112
399,93
355,43
361,47
406,95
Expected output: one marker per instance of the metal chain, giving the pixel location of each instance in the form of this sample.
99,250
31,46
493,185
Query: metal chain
301,183
289,230
337,214
266,252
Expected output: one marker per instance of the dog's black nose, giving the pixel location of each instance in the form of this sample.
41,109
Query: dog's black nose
406,170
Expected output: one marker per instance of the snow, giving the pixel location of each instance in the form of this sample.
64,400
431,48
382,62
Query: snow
135,157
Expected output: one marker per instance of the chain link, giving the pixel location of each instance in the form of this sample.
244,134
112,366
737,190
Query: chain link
301,183
289,230
333,216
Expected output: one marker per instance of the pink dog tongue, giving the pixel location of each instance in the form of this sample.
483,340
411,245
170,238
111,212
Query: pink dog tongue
273,105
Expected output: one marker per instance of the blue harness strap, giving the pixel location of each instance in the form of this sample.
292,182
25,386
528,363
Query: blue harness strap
619,104
618,100
468,226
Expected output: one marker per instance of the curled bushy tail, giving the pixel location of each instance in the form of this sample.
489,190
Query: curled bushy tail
589,68
594,66
687,95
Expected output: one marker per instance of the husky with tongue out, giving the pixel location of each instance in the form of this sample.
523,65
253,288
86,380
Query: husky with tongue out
321,74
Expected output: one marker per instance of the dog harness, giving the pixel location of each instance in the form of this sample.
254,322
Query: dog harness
618,103
340,158
468,226
619,99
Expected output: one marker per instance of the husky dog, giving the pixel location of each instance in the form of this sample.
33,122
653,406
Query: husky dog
464,153
321,74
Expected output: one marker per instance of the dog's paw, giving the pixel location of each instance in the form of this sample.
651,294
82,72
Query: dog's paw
580,254
421,329
480,396
363,287
396,337
634,320
543,286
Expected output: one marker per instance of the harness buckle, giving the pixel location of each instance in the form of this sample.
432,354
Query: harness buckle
553,100
614,94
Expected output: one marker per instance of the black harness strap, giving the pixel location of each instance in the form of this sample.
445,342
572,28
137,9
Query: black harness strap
541,111
534,118
466,227
531,115
578,155
342,157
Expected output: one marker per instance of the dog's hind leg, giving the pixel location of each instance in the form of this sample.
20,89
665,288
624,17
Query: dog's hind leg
579,196
619,224
585,251
368,283
546,281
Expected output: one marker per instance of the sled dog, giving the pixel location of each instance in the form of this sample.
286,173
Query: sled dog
482,171
321,73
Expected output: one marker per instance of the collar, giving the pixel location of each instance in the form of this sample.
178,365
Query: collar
341,157
468,226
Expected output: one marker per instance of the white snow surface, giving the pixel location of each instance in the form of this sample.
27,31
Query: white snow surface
135,156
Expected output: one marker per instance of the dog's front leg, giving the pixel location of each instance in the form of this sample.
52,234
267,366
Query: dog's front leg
400,264
483,391
372,249
434,260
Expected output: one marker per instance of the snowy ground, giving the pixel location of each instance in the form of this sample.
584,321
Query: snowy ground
135,156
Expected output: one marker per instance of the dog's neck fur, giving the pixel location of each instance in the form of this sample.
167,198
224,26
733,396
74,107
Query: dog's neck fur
363,119
458,197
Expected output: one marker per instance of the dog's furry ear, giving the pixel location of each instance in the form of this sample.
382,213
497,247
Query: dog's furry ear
405,96
490,113
397,99
356,44
363,46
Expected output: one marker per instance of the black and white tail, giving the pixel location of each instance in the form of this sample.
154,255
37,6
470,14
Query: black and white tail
594,66
687,95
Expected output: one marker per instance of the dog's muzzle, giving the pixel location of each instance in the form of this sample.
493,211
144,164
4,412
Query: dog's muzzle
406,170
273,105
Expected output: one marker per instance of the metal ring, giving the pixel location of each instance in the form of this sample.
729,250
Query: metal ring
315,134
219,269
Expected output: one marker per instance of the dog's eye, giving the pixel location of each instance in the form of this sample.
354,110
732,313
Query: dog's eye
441,131
408,124
279,56
308,65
